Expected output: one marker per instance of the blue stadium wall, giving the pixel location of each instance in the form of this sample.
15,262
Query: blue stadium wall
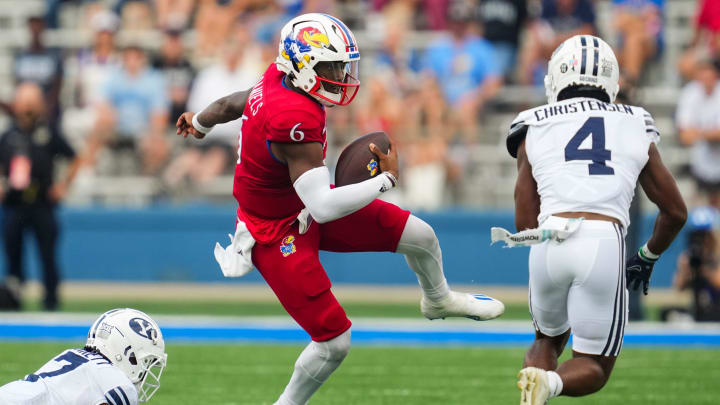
175,243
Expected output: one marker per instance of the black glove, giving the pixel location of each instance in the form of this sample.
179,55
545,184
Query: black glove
638,269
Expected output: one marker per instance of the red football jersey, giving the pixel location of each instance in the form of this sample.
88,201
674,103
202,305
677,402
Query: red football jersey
267,200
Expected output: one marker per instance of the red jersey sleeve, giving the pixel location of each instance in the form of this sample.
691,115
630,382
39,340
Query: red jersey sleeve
295,126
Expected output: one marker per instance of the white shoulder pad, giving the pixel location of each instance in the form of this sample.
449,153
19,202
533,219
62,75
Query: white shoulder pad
518,131
650,129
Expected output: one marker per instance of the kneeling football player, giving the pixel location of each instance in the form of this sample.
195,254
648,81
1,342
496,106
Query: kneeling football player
281,176
121,364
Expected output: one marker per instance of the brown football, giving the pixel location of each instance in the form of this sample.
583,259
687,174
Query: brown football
356,163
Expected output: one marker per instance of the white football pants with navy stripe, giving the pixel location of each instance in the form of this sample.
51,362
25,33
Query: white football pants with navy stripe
579,284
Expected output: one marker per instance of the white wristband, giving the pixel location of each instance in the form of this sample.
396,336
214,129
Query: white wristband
647,254
198,126
388,182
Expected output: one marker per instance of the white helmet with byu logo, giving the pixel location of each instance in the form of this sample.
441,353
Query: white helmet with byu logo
583,60
321,56
132,341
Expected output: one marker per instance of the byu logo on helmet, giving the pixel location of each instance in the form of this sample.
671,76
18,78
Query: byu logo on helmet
143,328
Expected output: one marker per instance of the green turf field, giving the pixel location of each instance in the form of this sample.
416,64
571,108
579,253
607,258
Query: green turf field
241,308
252,374
369,309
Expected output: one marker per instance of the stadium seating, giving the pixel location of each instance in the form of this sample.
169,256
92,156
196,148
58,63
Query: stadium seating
489,182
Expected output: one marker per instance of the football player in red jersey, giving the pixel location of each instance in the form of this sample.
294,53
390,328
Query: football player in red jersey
288,210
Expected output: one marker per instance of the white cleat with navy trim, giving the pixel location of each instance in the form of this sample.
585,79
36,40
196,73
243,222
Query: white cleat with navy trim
534,387
478,307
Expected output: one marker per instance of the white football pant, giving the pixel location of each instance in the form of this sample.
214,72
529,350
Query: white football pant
580,284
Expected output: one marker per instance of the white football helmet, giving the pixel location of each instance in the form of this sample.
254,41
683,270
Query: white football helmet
583,60
321,56
131,340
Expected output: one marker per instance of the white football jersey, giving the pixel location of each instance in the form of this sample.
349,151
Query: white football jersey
75,377
586,155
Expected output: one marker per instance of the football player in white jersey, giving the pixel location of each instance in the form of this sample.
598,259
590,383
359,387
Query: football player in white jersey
579,158
121,364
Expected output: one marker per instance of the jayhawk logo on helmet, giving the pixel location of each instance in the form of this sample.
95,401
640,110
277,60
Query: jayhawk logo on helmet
306,38
311,36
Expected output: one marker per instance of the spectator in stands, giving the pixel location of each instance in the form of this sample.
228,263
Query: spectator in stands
698,123
52,16
27,155
88,72
178,72
640,26
559,20
427,14
706,38
135,14
503,21
236,70
435,13
133,116
173,13
41,65
464,68
213,21
698,267
389,101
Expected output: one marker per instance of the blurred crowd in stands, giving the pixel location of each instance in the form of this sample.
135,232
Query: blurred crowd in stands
431,73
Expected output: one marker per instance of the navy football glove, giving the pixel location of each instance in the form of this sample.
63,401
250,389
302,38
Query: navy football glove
638,270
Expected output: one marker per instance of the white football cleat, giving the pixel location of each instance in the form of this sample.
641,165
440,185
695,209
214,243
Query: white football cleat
478,307
534,387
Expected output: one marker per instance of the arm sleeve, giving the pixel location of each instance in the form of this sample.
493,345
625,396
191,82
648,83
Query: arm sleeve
326,204
295,127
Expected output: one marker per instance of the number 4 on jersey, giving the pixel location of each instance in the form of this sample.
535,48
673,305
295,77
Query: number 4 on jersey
594,126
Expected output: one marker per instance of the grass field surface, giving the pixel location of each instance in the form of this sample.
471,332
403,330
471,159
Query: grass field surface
256,374
240,308
239,299
364,309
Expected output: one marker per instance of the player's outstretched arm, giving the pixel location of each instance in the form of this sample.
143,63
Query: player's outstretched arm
660,187
527,200
311,180
226,109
